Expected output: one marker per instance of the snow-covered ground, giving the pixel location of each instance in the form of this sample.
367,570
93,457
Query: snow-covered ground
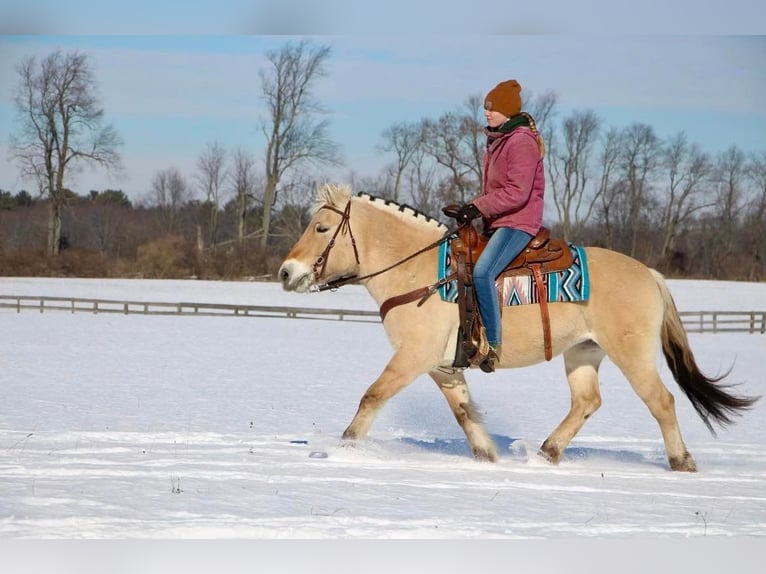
140,427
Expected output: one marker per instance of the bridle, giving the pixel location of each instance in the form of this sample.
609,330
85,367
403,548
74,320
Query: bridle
343,227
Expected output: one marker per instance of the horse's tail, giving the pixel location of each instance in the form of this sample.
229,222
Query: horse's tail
709,399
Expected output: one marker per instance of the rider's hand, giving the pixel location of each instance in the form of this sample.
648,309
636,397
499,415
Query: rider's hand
467,213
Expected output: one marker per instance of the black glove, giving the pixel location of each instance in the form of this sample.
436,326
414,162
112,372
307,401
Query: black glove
467,213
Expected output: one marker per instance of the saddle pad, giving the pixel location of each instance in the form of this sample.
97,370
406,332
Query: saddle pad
570,285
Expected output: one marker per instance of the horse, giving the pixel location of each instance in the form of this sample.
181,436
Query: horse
629,315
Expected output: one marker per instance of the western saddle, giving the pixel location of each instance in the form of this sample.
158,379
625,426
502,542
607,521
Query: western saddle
542,254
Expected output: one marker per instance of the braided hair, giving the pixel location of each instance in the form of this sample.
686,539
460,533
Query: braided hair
533,127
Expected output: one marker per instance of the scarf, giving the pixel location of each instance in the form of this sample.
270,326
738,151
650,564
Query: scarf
522,119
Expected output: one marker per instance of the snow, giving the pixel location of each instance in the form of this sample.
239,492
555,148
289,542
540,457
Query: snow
140,427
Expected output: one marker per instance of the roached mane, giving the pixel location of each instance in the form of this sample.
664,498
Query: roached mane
337,195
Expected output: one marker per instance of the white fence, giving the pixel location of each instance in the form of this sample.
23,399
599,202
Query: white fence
694,321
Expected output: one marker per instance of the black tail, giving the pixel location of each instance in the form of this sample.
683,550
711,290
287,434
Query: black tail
710,399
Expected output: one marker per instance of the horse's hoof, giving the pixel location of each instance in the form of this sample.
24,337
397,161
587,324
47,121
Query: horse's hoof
349,435
550,453
484,455
683,464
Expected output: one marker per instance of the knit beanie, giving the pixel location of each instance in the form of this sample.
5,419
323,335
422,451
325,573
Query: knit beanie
504,98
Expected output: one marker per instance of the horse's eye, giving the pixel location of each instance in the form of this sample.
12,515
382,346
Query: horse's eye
321,228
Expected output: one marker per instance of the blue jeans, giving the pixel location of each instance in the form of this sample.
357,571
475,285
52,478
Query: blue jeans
505,244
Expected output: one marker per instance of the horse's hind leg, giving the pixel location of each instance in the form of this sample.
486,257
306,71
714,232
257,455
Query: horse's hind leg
582,362
646,381
455,389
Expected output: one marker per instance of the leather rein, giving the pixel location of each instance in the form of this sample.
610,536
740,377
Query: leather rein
345,227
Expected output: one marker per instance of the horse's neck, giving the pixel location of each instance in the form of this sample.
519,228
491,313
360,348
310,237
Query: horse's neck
389,239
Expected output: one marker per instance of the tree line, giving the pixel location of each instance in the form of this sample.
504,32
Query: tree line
664,201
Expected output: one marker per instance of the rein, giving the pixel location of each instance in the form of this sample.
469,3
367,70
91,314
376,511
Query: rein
345,225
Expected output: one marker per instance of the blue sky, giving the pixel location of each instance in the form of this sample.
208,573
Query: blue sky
169,94
416,17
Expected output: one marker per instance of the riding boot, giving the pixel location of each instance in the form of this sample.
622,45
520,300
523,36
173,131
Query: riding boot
488,364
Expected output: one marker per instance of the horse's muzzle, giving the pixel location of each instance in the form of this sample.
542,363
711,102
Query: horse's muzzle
294,276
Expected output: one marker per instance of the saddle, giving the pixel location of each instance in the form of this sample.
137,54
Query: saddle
542,254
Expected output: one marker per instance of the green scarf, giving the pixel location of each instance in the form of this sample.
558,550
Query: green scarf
513,123
522,119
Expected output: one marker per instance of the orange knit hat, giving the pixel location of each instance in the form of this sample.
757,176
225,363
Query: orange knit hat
504,98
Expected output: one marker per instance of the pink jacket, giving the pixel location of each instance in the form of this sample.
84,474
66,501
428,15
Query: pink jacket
514,182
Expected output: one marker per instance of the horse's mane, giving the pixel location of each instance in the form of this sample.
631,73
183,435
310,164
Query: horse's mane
337,195
333,194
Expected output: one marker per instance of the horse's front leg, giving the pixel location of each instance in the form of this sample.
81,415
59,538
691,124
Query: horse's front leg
400,372
455,390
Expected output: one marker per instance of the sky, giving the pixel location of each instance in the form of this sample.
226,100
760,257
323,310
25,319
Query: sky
141,432
175,82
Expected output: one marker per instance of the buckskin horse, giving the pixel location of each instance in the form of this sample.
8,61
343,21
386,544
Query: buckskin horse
628,316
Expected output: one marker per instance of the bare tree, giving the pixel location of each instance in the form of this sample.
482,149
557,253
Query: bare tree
211,175
569,172
729,175
24,226
403,139
379,185
607,185
475,141
423,188
756,172
294,131
687,169
640,157
107,212
543,109
61,128
170,192
455,142
243,182
294,215
449,141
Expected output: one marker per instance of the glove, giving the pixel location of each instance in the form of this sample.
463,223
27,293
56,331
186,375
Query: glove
467,213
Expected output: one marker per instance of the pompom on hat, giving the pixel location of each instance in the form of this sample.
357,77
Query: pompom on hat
504,98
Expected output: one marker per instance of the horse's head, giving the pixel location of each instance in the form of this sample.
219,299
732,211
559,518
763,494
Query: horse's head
326,250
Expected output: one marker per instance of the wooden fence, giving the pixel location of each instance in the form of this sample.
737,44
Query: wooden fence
42,304
694,321
724,321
